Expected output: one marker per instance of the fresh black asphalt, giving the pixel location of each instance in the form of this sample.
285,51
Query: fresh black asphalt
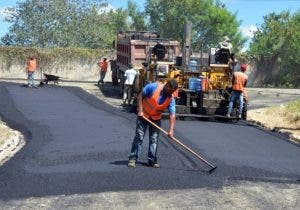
78,144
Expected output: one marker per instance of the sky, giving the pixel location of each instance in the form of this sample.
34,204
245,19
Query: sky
250,12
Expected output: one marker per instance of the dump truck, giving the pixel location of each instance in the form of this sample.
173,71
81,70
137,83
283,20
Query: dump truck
135,47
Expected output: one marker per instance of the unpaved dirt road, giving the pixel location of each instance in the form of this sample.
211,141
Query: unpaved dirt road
75,157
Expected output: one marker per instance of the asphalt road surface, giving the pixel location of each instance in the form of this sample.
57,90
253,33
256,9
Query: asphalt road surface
79,145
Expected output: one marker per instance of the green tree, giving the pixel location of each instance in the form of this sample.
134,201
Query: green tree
137,17
275,49
211,21
57,23
118,20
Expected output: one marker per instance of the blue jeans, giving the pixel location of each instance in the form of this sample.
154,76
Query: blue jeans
234,96
136,148
31,79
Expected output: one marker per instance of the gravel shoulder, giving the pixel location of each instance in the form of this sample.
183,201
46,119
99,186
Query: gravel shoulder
274,119
11,141
267,109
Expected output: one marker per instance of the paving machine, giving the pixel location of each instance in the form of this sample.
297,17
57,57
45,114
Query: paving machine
205,89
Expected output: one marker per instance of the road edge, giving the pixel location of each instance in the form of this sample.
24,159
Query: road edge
292,138
12,145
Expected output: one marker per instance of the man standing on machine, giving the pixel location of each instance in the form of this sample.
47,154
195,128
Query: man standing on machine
159,51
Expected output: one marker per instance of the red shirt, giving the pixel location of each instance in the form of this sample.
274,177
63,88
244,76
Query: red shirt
103,65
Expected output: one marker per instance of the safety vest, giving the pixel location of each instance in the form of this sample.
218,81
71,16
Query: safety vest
239,82
151,108
31,65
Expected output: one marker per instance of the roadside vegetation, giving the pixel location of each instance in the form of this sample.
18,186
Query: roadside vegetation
275,50
48,57
289,113
293,111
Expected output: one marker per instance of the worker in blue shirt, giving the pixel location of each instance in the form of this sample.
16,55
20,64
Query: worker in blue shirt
152,101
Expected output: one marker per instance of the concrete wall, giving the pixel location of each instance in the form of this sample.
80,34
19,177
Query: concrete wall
78,70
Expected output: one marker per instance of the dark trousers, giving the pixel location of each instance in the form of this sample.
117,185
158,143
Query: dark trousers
102,76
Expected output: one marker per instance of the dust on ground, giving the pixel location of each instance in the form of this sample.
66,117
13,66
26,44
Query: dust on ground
268,109
274,118
241,195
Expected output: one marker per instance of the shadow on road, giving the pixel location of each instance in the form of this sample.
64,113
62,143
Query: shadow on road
110,90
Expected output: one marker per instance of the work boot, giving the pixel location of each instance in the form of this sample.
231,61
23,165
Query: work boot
131,163
153,164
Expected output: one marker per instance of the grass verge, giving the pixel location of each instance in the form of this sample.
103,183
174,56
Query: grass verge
292,111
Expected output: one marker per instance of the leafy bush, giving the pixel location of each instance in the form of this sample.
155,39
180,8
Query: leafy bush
46,57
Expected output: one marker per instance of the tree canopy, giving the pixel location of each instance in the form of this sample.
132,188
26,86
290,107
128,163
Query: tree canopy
211,22
85,23
276,49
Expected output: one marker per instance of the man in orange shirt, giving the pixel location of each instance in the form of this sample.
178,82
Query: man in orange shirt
103,69
31,65
239,82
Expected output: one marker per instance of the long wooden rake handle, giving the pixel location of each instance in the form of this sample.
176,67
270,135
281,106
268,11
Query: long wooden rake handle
183,145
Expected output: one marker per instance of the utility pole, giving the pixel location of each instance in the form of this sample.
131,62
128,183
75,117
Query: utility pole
202,53
186,51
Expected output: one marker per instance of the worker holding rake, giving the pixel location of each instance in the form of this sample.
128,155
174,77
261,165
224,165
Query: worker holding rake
152,101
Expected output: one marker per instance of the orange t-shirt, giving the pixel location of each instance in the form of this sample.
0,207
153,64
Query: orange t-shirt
240,80
31,65
103,65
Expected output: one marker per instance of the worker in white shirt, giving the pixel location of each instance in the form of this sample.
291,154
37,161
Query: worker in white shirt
128,84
